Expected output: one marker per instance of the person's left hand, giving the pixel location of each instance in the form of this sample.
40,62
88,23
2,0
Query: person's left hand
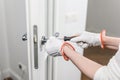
87,39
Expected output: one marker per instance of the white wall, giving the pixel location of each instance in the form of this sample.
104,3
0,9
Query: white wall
4,64
104,14
16,27
12,26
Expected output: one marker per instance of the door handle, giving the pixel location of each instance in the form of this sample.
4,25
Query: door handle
44,40
24,37
35,41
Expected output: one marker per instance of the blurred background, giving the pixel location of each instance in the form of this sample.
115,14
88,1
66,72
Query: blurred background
102,14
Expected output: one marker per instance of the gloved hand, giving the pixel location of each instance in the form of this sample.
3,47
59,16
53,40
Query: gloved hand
87,39
54,46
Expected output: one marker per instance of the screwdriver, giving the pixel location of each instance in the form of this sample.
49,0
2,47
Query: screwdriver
66,38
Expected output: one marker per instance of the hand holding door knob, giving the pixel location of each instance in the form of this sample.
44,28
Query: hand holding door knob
55,46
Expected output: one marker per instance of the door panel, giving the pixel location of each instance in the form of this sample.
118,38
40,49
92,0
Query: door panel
52,16
70,16
59,69
65,70
36,16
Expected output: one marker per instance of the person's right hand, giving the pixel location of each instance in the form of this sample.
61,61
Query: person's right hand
54,46
87,39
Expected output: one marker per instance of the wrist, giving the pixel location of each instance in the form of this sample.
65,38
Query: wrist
68,45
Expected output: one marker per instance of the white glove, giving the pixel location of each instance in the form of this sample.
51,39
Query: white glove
87,39
53,46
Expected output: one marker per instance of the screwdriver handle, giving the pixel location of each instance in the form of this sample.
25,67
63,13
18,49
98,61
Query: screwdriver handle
66,38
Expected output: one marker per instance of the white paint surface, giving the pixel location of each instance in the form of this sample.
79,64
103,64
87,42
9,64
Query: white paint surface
69,19
38,16
70,16
4,59
15,28
65,70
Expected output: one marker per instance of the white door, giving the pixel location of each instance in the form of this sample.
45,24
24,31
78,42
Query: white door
69,18
45,18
